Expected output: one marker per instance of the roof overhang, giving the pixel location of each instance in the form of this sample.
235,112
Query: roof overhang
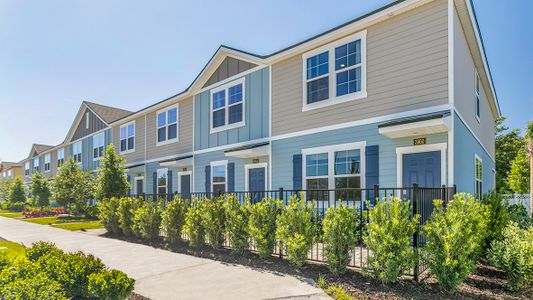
178,162
251,151
416,127
134,168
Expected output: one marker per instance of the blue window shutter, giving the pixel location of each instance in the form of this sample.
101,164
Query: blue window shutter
128,178
231,177
169,182
297,172
372,169
154,181
207,179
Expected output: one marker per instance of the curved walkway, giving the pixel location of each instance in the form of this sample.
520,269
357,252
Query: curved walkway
162,274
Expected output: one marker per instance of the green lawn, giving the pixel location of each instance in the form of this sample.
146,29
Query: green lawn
10,214
69,223
86,225
42,221
12,249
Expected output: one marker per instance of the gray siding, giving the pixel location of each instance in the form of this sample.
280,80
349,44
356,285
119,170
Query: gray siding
229,67
95,124
464,94
256,115
138,154
406,69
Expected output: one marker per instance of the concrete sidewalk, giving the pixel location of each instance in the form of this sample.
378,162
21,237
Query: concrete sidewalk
161,274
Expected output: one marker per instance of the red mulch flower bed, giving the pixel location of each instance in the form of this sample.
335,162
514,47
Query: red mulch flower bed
39,213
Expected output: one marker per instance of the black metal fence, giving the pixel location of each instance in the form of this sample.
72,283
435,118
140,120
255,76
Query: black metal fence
362,199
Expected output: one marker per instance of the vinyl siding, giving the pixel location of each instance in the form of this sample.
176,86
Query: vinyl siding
95,124
139,153
151,168
406,69
229,67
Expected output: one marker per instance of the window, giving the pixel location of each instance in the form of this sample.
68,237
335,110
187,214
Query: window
127,137
36,164
27,168
335,73
87,120
76,152
167,125
47,162
60,157
477,95
162,181
227,106
9,173
478,165
218,177
98,145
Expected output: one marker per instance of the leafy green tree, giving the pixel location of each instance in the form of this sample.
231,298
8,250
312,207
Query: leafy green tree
72,187
17,193
111,180
508,144
5,188
40,190
518,177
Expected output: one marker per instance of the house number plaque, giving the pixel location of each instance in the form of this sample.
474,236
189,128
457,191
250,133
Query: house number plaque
419,141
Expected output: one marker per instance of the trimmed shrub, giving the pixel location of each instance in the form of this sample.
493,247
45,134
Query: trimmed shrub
214,219
295,229
39,249
194,225
518,214
455,236
110,285
341,229
38,286
514,255
126,212
338,293
108,214
237,218
173,219
388,237
147,220
498,217
262,225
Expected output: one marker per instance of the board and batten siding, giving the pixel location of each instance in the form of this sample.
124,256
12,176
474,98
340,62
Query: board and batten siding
407,68
138,154
95,124
228,67
464,94
256,114
185,132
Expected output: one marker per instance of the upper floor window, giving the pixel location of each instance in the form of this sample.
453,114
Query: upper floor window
219,177
127,137
87,120
27,168
478,165
76,152
36,164
335,73
477,93
98,145
60,157
227,106
47,162
167,125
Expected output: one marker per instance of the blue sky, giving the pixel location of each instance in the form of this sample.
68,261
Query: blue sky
55,54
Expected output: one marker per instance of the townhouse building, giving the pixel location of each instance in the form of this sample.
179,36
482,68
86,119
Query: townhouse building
401,95
10,170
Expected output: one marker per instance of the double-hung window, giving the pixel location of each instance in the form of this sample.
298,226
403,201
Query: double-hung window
98,145
162,181
335,73
27,168
36,164
127,137
9,173
60,157
477,96
219,177
167,125
227,106
478,165
47,162
76,152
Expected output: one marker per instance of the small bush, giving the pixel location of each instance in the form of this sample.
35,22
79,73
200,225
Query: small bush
173,219
262,225
498,217
237,218
341,228
295,229
125,211
455,235
194,225
35,287
110,285
338,293
388,237
514,255
39,249
518,214
108,214
16,206
147,220
214,219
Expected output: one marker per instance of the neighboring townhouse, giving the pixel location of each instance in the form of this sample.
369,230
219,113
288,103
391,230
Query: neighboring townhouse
34,162
10,170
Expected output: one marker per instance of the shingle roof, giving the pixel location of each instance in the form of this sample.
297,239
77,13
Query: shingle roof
107,113
40,148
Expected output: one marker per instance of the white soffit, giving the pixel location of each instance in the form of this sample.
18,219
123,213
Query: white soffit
178,163
250,153
416,128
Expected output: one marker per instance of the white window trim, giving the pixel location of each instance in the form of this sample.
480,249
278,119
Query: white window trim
9,173
225,88
81,152
477,96
49,162
400,151
134,136
247,168
27,168
167,141
330,150
135,191
103,145
165,170
333,99
62,150
476,158
38,165
182,173
216,164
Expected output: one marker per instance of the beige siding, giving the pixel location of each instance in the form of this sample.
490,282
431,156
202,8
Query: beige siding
138,154
464,94
185,134
406,69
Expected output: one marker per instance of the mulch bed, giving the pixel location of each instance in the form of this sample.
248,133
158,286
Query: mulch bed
484,283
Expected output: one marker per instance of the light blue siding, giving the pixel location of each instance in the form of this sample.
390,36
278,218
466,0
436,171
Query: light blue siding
283,150
466,147
151,168
256,114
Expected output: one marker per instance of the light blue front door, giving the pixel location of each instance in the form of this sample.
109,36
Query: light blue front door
423,169
256,183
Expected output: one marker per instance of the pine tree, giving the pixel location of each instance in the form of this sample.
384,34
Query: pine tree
111,180
40,190
17,193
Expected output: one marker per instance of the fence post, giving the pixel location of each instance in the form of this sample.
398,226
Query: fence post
280,245
416,198
444,197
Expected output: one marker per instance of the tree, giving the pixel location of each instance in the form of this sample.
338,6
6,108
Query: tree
111,181
508,144
529,139
40,190
72,187
519,175
5,189
17,193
